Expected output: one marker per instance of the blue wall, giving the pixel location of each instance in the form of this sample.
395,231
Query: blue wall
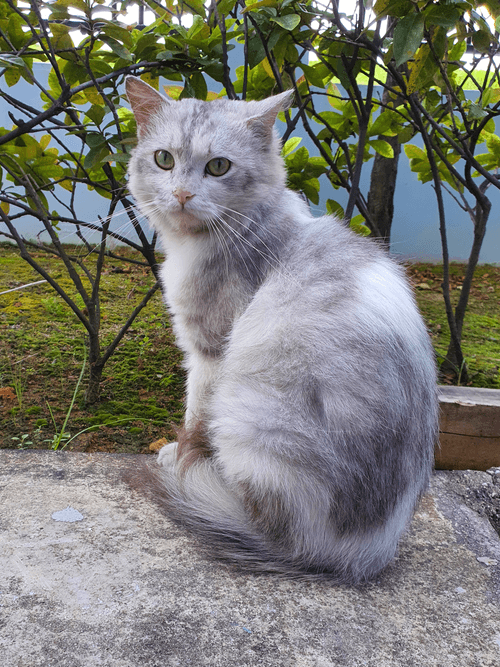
415,231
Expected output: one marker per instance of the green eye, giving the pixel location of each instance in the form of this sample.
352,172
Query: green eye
164,160
218,166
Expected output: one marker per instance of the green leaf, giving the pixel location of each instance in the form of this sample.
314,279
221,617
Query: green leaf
313,76
493,144
15,31
381,124
288,22
490,96
457,51
334,208
253,6
422,69
298,160
95,139
61,38
118,33
382,147
358,226
95,156
8,60
290,145
414,152
96,113
311,190
446,16
117,48
226,6
49,170
117,157
12,76
392,7
256,51
481,40
199,85
476,113
408,35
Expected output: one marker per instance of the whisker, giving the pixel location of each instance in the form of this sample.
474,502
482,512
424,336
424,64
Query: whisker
275,264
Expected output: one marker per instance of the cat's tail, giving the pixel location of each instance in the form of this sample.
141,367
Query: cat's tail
200,500
251,529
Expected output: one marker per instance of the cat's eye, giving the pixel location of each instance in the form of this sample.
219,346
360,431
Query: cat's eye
164,159
218,166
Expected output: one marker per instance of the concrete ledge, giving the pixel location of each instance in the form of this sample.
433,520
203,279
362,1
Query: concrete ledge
469,429
112,583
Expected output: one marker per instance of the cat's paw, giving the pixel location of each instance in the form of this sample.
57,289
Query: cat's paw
167,456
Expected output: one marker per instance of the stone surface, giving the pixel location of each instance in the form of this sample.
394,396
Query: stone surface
123,587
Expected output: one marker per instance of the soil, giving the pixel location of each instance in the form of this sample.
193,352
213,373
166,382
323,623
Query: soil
141,401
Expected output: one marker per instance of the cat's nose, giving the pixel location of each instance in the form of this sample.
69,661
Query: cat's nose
182,196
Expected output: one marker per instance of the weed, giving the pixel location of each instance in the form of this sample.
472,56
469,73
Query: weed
22,441
63,435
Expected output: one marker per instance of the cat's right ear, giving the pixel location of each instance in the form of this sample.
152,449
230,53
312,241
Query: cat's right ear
145,101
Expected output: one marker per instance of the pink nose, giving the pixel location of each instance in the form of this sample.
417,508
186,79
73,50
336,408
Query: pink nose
182,196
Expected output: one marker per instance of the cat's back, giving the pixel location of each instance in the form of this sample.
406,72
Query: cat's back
337,308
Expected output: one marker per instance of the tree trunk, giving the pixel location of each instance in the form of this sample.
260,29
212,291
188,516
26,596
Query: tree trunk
450,366
383,184
96,367
381,193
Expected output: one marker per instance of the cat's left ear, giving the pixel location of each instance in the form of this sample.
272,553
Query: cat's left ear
145,101
262,122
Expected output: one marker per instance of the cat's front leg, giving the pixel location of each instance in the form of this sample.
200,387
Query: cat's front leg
203,372
167,456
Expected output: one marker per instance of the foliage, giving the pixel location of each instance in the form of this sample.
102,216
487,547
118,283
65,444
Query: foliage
79,134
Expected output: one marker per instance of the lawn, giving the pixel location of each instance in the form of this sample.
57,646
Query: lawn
42,354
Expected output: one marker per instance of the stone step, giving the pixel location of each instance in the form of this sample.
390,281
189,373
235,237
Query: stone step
469,429
91,575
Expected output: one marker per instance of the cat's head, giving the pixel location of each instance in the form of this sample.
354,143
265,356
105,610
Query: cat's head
198,160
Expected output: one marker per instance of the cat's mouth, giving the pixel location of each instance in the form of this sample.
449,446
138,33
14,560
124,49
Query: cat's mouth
189,223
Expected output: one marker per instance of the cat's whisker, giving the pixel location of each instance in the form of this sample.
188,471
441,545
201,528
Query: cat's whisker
227,228
212,226
272,259
252,220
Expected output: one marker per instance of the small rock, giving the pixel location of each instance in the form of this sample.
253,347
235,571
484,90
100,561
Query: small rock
486,560
70,515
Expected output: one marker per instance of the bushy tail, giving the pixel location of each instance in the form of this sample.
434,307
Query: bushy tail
201,500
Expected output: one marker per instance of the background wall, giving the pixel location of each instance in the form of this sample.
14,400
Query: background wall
415,230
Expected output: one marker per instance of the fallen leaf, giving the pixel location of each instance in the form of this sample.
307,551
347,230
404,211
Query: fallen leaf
7,394
157,445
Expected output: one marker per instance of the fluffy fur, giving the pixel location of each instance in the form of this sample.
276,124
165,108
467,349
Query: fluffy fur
311,412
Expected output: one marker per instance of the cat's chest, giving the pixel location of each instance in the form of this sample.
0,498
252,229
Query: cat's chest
180,274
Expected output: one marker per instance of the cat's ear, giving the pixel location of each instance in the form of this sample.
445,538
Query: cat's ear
145,101
264,113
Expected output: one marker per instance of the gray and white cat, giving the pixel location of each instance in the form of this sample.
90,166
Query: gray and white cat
311,412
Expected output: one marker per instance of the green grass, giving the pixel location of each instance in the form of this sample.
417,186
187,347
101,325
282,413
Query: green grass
41,355
481,332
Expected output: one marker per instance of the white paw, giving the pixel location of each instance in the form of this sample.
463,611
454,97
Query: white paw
167,456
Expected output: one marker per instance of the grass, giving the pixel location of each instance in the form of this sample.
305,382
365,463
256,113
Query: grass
42,356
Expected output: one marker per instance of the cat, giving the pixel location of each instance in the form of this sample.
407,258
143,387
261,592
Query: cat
311,409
